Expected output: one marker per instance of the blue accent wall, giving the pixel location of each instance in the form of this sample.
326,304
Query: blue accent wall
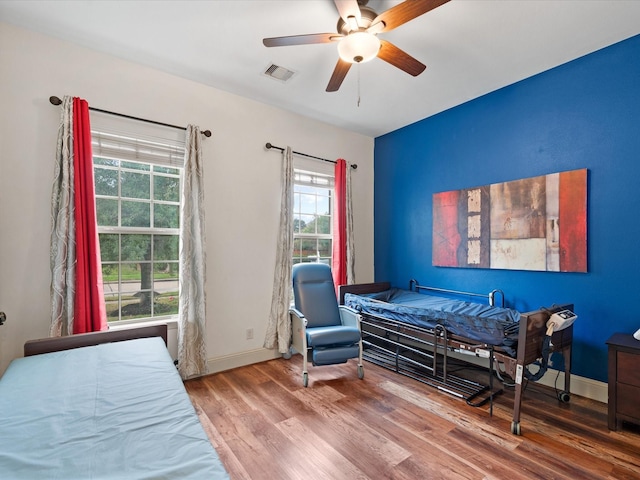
583,114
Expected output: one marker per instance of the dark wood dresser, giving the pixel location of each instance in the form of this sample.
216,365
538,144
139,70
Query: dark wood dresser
624,379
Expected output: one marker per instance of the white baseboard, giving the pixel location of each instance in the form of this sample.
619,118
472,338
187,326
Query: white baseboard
227,362
585,387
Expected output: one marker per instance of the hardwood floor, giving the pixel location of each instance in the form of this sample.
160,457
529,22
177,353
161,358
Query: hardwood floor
265,425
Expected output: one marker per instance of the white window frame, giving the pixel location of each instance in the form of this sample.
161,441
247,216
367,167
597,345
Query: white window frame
134,141
308,178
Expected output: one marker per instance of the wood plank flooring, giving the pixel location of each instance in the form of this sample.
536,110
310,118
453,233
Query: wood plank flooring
265,425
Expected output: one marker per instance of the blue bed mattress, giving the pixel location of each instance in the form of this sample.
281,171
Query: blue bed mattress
112,411
481,323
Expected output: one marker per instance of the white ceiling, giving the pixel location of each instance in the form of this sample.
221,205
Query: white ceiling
470,47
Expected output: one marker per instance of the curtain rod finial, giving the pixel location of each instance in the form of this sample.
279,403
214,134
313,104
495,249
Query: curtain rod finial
55,100
207,133
268,146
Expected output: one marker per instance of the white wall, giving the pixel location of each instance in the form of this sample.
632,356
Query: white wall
242,182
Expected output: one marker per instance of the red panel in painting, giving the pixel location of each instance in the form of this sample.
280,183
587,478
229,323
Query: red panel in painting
446,238
573,221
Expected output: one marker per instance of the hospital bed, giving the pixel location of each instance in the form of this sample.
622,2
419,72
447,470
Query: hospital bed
102,405
416,332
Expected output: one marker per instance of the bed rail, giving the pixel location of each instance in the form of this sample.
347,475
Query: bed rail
422,354
490,297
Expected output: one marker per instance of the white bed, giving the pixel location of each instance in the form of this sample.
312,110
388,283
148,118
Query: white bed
108,411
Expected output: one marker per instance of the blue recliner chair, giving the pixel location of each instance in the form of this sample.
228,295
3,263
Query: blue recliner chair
321,329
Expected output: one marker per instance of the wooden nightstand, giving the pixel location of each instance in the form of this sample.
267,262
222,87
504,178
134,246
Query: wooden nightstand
624,379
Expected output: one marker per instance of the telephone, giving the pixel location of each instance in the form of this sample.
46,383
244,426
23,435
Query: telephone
560,320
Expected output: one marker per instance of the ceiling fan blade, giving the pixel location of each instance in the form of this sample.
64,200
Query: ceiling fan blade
341,70
301,39
402,13
398,58
348,8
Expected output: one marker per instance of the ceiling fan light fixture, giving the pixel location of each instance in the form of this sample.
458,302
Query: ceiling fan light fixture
358,47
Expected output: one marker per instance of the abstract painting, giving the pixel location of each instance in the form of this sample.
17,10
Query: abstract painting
537,223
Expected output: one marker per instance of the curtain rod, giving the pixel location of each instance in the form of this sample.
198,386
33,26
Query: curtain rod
56,101
270,146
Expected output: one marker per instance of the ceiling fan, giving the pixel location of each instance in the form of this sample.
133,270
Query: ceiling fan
358,27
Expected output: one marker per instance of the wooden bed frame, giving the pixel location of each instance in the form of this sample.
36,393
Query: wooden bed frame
56,344
531,333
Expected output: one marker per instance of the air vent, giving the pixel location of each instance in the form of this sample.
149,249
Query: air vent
279,73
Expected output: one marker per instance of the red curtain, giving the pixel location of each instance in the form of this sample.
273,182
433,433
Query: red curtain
90,313
339,254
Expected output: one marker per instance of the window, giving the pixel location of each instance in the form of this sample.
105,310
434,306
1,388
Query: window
138,194
312,208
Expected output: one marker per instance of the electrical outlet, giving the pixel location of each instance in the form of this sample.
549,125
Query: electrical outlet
249,333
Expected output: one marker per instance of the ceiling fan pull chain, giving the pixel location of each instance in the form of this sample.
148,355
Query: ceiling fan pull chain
358,68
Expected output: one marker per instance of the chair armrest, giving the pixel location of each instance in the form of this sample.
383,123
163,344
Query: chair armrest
349,316
297,313
298,330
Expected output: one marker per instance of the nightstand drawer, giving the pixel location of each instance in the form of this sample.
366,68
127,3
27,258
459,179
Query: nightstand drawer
624,380
627,400
628,371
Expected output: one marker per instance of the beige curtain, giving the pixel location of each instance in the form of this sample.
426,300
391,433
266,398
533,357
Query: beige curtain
63,242
351,273
192,357
279,326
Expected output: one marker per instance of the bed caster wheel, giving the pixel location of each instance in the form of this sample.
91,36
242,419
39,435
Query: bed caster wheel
305,379
515,428
564,397
360,372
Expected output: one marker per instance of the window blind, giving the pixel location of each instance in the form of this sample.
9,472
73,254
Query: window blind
125,139
313,179
110,145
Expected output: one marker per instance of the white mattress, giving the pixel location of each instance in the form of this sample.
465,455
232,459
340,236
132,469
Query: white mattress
112,411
